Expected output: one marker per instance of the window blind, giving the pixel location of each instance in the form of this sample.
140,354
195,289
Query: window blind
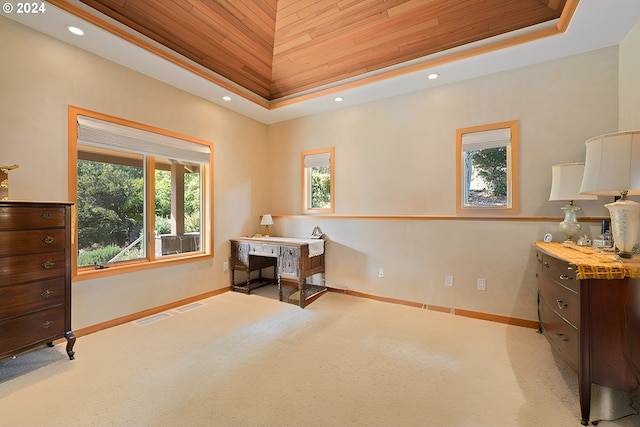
318,160
105,134
486,139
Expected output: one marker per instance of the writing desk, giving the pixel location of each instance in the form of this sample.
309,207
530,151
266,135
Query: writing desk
293,261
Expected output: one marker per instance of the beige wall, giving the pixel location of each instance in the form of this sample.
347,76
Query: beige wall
629,81
41,76
393,157
397,157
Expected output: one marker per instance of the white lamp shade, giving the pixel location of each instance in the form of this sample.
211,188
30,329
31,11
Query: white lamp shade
612,164
566,179
266,220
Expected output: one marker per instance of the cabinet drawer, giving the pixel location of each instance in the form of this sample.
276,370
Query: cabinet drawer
31,329
560,333
28,218
31,241
29,297
564,301
560,271
264,249
26,268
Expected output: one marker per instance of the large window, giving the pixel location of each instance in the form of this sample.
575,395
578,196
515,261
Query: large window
318,181
141,193
486,167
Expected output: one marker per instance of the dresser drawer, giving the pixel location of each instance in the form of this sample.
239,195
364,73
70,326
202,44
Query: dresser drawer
26,268
560,271
28,218
31,329
562,300
31,241
29,297
560,333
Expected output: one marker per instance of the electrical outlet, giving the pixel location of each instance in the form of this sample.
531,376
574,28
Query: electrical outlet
225,266
381,272
448,280
481,284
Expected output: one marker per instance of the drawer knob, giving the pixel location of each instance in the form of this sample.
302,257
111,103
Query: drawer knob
545,264
46,324
48,240
47,215
561,304
561,337
565,277
46,293
48,265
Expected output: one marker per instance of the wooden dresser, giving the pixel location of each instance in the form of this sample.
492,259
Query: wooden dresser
35,276
589,310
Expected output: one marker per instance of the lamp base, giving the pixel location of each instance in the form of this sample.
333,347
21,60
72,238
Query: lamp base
625,224
570,226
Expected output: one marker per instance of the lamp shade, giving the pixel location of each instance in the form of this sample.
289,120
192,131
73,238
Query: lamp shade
566,179
266,220
612,164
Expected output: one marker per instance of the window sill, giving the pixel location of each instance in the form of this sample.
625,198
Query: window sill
87,273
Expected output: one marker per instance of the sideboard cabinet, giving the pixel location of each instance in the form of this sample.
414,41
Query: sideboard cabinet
35,276
589,310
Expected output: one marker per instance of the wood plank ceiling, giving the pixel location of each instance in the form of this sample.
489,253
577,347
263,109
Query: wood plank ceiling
281,48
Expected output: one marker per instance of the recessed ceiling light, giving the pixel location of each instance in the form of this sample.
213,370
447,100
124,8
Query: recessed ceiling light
75,30
433,76
339,99
226,98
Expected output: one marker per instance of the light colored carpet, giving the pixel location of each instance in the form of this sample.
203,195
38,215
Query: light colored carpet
247,360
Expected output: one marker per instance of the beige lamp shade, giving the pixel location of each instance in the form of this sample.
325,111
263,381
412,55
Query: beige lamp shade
612,164
266,220
566,179
612,167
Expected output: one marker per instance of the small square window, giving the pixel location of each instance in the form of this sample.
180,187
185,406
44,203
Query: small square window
486,168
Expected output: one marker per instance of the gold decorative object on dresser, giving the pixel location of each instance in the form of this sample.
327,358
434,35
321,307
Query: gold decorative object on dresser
35,276
589,310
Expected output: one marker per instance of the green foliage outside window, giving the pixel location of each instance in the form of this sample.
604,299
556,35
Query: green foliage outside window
491,165
110,204
320,187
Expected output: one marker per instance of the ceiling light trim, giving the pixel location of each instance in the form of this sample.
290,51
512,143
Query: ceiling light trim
398,70
138,41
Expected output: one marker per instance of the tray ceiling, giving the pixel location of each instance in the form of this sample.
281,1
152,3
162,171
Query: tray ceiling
283,48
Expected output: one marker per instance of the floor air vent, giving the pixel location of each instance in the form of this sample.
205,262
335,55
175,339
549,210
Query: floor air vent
189,307
152,319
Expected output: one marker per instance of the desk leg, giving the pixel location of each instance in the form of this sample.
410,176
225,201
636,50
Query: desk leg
279,285
301,291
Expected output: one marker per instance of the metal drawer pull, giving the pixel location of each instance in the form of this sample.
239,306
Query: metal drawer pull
565,277
46,293
545,264
48,240
47,215
561,304
48,265
561,337
46,324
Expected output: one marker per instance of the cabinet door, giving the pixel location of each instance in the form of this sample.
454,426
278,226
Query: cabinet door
290,262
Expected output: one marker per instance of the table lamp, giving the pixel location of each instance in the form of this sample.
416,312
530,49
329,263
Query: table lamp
612,167
267,220
566,179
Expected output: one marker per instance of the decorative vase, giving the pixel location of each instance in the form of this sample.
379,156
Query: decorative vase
625,224
570,226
